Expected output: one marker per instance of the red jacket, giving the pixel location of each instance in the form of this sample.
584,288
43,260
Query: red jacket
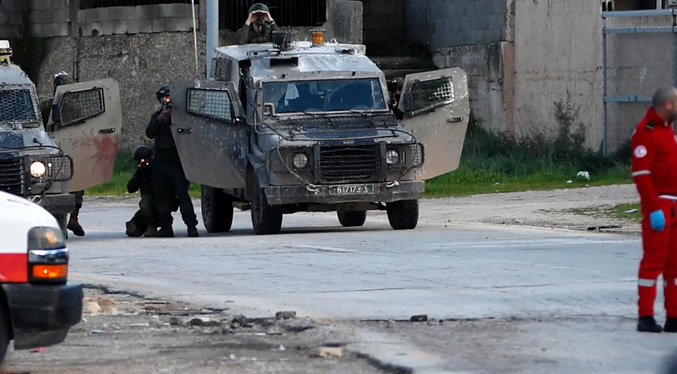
654,160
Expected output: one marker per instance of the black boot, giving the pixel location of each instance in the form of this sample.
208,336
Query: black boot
73,223
165,232
192,232
670,325
132,230
648,324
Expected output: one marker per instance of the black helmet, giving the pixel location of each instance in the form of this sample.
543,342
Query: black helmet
143,152
163,91
259,7
62,78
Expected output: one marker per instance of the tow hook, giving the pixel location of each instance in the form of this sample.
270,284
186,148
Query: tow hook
392,184
35,199
312,189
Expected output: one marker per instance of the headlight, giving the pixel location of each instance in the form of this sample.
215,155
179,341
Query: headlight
300,161
38,169
45,238
392,157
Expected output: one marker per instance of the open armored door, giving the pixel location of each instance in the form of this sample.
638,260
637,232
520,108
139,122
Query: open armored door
436,110
209,134
85,122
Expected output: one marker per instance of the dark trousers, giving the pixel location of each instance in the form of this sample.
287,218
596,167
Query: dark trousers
170,184
147,215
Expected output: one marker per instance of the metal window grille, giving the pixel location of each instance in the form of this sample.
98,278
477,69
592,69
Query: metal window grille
214,104
90,4
80,105
432,93
59,168
16,105
233,13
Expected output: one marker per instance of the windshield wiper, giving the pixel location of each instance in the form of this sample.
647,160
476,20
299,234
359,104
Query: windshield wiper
364,113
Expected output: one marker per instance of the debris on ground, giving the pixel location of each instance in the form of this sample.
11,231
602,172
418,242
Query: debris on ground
285,315
419,318
330,352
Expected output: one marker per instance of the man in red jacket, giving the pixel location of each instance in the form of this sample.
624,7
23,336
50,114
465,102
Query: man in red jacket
654,171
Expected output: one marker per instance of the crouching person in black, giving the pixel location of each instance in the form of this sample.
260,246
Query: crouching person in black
144,221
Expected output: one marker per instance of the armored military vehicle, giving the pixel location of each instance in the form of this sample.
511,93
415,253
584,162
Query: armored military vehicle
75,151
288,126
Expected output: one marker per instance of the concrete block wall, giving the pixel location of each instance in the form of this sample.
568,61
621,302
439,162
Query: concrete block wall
137,20
448,23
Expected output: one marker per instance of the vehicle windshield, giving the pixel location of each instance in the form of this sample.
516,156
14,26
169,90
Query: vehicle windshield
16,105
325,95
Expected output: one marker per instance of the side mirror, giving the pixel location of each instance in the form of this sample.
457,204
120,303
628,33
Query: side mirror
407,102
56,113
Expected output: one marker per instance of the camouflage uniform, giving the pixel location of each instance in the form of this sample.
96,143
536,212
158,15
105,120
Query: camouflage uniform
248,35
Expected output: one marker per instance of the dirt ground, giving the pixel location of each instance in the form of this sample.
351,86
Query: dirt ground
126,334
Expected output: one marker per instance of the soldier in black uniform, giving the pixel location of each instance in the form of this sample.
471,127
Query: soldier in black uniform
169,180
144,221
259,26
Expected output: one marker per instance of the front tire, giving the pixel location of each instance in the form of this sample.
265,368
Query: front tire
403,215
4,333
266,219
217,209
352,218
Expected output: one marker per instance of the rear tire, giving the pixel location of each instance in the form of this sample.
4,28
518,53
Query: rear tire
352,218
403,215
217,209
62,220
4,333
266,219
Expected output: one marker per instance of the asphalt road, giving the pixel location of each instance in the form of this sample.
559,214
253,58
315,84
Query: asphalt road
513,299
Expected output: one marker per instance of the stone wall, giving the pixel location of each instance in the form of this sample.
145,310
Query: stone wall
558,53
136,20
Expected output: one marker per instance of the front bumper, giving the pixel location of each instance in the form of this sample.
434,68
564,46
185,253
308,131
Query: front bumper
57,203
42,314
299,194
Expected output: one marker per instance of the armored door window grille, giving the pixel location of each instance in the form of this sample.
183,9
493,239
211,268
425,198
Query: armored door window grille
431,93
16,105
78,106
215,104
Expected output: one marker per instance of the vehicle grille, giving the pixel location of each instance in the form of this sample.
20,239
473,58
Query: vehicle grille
350,164
11,175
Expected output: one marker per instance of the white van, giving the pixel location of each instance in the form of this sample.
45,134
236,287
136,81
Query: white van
37,306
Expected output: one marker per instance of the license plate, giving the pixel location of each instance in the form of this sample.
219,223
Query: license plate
351,189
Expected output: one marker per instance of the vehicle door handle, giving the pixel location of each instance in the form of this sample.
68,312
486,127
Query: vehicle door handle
107,131
454,119
185,130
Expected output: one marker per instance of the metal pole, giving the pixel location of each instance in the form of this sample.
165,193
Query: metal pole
212,32
605,148
674,49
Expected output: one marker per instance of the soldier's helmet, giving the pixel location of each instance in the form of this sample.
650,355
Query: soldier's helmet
143,152
163,91
258,7
62,78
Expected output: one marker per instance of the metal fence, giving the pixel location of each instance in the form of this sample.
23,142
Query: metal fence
233,13
633,97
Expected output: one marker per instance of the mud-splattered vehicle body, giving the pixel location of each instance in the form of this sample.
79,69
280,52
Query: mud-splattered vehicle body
283,130
75,151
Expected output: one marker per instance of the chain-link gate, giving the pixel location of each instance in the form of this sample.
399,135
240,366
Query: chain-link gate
644,61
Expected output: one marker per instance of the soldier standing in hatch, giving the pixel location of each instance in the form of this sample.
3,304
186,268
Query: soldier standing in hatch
654,167
259,26
169,180
62,78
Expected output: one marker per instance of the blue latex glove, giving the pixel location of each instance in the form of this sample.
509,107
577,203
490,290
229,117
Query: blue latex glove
657,220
